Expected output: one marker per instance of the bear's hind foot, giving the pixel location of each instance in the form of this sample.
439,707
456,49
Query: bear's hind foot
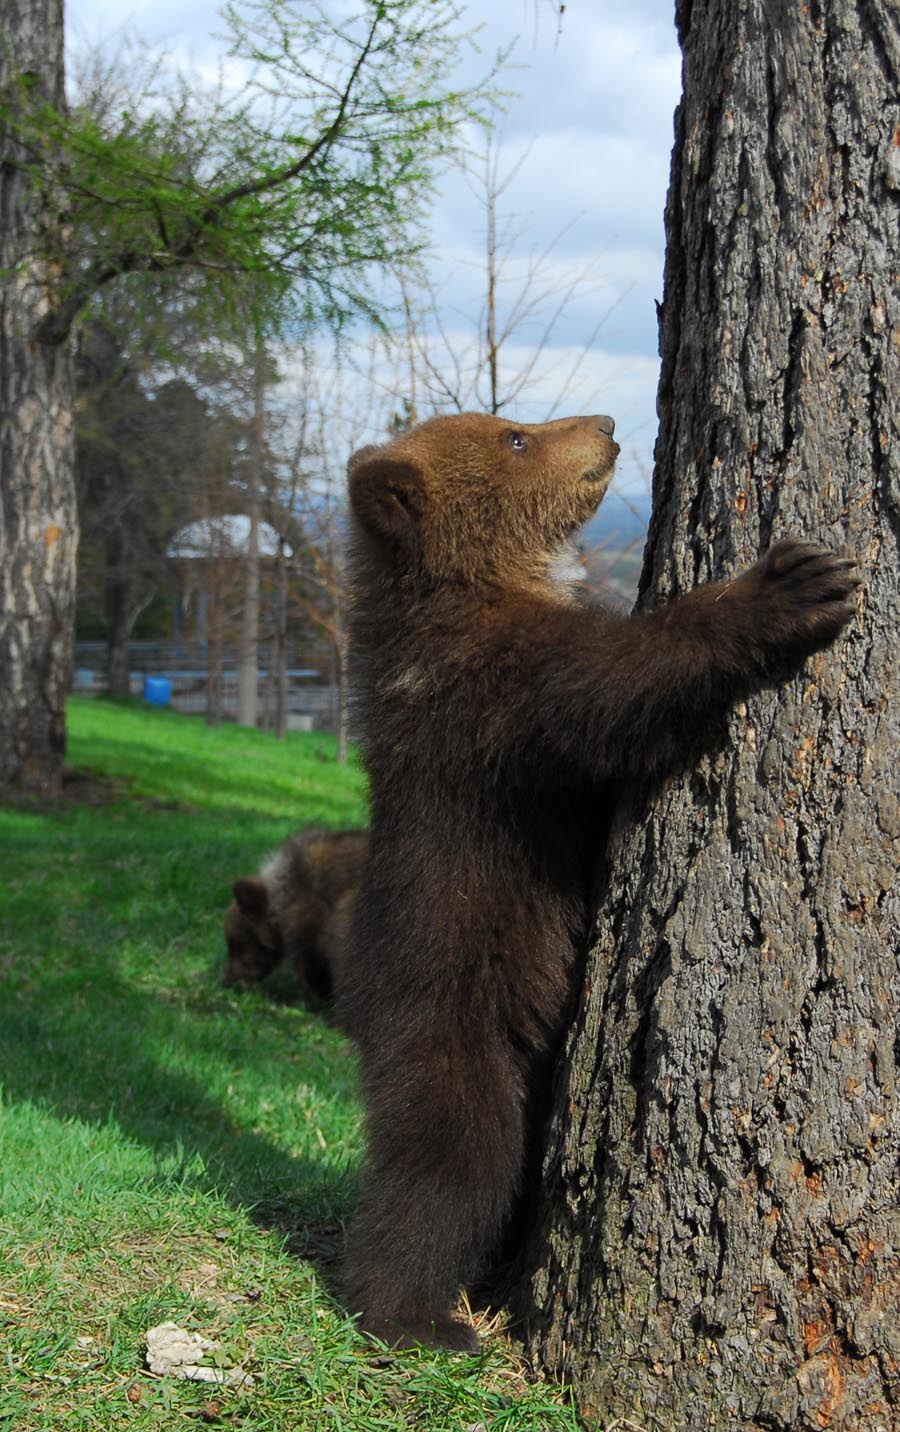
419,1330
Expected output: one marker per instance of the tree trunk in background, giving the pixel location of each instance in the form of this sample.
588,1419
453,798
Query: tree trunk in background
343,692
216,585
118,617
720,1239
38,519
248,673
280,645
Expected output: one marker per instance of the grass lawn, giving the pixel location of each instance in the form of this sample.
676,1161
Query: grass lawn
169,1149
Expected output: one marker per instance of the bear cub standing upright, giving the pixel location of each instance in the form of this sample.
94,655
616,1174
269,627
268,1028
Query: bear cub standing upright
500,714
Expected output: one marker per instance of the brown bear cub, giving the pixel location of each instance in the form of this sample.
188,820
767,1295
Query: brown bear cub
500,714
298,907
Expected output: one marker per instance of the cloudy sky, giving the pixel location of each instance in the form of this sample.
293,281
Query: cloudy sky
592,115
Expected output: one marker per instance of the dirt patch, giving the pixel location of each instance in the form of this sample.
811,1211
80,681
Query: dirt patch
85,787
79,787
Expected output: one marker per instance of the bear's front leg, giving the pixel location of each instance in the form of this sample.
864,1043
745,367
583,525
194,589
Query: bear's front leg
794,601
641,698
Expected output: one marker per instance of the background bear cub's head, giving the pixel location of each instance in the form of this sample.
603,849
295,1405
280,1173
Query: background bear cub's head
473,496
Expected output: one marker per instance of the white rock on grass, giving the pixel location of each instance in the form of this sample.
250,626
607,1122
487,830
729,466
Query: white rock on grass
174,1352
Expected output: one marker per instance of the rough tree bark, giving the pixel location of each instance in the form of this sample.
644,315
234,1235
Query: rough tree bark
719,1244
38,519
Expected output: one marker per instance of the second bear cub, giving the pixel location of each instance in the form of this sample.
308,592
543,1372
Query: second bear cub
298,907
500,715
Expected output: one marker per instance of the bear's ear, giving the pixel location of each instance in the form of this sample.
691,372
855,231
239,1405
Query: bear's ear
251,895
388,497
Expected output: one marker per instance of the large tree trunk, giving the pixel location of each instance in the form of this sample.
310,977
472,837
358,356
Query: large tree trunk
720,1238
38,520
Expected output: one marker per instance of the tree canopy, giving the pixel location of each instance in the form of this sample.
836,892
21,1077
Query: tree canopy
311,172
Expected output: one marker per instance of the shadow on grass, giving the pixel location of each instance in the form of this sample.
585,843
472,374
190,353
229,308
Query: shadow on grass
110,952
111,1008
85,1056
266,791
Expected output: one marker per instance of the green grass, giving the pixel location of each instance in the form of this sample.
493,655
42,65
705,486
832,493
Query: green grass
170,1149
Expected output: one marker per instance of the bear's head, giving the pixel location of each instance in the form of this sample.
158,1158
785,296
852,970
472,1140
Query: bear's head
253,940
471,497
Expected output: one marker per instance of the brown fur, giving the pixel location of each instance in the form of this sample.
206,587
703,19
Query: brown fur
500,716
297,907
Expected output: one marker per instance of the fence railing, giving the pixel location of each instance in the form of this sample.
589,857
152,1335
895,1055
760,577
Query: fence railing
312,702
152,657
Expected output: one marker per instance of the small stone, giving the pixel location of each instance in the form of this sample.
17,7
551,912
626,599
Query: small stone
174,1352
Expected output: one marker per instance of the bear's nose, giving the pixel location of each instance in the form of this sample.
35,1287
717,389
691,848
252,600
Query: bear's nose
606,425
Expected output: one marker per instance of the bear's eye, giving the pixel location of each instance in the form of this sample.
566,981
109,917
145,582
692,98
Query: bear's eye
517,441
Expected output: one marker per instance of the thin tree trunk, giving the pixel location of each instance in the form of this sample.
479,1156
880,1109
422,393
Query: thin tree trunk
343,693
214,575
248,675
38,518
118,621
721,1223
492,348
280,651
265,718
248,671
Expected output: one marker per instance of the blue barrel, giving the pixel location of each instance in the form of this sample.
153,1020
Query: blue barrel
157,690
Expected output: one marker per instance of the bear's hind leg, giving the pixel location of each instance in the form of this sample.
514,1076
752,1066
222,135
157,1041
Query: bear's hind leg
446,1145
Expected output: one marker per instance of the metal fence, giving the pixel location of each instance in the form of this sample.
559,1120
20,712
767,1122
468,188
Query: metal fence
311,698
